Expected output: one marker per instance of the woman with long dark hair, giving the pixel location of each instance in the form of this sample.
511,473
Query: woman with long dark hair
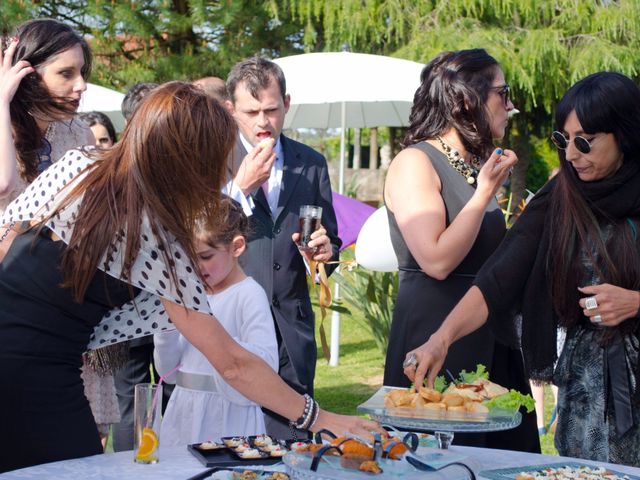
43,72
445,221
110,237
573,260
102,128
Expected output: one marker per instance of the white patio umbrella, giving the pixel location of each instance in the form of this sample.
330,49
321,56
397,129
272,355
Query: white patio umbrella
348,90
105,100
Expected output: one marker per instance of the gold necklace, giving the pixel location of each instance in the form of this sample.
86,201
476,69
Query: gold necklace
470,172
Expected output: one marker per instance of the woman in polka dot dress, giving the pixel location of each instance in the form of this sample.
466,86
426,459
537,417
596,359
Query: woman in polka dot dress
43,74
110,256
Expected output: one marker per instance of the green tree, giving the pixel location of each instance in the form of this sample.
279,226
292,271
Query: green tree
161,40
544,46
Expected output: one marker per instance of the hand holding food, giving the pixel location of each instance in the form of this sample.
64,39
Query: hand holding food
255,168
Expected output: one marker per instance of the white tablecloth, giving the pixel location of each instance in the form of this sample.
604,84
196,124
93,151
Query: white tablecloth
177,463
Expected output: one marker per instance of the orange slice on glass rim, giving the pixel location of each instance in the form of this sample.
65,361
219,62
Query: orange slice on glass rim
148,444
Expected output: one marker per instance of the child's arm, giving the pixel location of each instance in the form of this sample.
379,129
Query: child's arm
167,353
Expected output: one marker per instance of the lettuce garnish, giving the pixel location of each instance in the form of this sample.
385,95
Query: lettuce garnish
470,377
512,401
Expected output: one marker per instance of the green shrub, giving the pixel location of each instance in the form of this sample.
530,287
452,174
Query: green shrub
373,294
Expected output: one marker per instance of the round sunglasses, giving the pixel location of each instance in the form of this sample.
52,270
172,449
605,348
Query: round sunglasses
504,91
582,144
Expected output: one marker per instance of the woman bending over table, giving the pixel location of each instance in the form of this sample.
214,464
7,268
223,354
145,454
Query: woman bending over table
99,249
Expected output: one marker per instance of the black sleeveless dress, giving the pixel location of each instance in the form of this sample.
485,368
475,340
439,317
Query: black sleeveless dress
424,302
44,414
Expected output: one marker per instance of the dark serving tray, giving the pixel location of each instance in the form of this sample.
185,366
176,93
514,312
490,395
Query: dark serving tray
226,458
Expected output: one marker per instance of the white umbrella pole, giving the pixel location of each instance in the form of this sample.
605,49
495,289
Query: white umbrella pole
335,316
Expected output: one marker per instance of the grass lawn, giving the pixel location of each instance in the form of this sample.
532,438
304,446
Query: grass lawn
359,374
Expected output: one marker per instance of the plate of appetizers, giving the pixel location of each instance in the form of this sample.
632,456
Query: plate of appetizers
471,404
557,471
233,451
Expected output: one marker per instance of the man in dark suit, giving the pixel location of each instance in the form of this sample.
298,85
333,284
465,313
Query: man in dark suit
272,181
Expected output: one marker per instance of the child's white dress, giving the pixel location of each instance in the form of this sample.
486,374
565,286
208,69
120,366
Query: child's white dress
203,406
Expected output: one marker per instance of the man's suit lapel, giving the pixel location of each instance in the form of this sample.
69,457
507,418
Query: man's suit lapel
293,169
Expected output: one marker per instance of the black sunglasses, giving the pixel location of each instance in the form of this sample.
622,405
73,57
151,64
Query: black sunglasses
582,144
503,91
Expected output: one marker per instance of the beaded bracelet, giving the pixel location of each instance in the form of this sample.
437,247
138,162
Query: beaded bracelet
304,420
315,415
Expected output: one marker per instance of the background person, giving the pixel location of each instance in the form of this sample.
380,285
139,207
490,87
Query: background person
272,181
445,221
203,406
135,94
573,259
101,127
215,87
43,72
145,235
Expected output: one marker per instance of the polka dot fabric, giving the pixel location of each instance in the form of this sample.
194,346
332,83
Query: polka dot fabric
145,314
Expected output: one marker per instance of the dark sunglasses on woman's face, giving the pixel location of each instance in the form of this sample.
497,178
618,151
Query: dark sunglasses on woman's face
582,144
503,91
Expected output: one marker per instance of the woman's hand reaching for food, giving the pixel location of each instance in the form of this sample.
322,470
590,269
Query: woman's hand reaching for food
426,361
346,425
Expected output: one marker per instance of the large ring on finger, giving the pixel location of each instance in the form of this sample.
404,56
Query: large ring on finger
596,319
410,361
590,303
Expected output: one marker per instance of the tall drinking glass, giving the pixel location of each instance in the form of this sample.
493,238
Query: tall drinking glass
146,422
310,218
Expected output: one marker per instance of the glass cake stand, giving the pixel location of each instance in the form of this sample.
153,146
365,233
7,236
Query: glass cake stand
443,427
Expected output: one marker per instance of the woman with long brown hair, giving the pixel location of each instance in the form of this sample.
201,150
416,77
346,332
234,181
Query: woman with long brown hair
573,260
445,221
43,72
111,238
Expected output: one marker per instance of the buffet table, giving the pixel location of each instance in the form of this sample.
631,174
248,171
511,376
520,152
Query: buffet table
177,463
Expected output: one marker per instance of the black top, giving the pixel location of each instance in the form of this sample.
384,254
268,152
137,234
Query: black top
44,413
424,302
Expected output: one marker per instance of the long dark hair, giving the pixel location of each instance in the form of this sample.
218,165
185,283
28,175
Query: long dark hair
454,87
99,118
39,41
610,103
168,166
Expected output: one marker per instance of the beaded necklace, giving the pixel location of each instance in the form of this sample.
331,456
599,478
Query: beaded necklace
468,171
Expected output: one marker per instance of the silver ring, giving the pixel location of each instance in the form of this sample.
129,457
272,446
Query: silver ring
596,319
411,360
590,303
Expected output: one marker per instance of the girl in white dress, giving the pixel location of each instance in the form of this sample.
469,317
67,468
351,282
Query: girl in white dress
203,406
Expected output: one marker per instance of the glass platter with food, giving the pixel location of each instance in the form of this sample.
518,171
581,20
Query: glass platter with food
472,403
388,457
557,471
